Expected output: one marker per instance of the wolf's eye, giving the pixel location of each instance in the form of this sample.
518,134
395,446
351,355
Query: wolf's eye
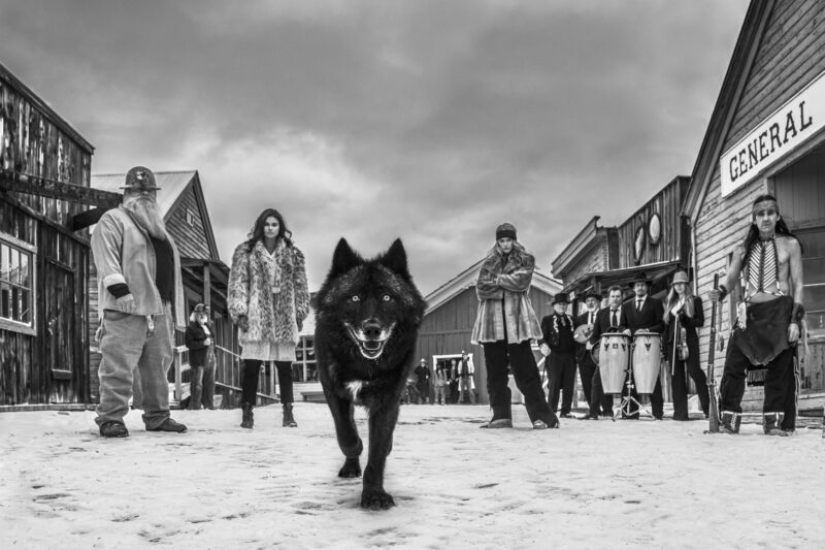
386,297
355,298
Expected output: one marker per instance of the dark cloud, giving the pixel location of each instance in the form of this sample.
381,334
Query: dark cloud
429,120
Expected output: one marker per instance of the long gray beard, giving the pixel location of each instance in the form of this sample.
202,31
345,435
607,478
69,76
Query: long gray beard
147,215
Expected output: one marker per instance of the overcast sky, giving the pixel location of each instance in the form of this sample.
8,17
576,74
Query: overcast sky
433,121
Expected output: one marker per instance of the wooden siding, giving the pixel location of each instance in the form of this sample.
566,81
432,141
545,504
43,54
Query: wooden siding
673,242
39,146
789,56
51,366
190,239
597,259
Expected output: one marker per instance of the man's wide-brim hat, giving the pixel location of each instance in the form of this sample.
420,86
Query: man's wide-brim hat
679,277
593,294
561,298
200,308
139,178
640,278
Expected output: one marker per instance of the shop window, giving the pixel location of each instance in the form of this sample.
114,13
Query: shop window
813,277
17,295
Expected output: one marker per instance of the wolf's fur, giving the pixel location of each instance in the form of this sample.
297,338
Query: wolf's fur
369,313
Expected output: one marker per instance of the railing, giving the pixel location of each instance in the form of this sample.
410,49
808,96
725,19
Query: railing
228,367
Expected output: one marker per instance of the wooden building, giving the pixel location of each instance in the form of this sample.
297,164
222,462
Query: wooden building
766,136
45,167
655,240
450,316
205,277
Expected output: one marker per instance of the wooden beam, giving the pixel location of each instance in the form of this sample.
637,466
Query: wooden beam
85,219
11,180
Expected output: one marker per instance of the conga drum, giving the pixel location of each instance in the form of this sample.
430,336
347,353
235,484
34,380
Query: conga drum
647,360
614,353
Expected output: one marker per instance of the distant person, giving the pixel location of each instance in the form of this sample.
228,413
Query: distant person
268,301
199,341
684,314
422,373
441,384
453,381
559,347
140,293
505,325
465,379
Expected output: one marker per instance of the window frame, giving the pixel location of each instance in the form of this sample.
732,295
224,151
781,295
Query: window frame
29,328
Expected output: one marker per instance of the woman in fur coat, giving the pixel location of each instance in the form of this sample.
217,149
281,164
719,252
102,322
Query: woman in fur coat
505,325
268,301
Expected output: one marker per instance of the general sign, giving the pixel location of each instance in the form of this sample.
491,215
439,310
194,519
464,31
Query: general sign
796,121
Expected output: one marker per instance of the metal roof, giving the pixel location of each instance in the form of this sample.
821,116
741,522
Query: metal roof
172,186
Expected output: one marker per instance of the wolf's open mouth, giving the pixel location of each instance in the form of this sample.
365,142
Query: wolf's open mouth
371,348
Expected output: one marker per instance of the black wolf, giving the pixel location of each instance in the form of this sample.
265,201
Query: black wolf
368,316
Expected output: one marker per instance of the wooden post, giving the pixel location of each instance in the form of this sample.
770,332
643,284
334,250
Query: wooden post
207,287
178,377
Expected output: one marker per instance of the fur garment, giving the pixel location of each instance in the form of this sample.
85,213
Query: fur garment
508,282
250,294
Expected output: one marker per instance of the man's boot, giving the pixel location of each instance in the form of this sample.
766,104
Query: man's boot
289,420
730,422
771,424
247,420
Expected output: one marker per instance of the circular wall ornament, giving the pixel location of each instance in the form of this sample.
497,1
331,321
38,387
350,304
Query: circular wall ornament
639,244
654,229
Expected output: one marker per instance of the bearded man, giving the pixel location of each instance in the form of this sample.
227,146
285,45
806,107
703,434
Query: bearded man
139,291
771,258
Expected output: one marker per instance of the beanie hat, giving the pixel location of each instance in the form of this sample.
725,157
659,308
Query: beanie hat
506,230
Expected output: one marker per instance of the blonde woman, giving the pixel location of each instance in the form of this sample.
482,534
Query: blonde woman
505,325
684,314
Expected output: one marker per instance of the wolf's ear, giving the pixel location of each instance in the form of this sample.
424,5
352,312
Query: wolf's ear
343,259
396,259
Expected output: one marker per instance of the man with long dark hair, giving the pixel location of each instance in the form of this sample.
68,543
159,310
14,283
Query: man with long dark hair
766,335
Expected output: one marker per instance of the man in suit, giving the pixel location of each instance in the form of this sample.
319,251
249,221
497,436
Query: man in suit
645,313
587,367
609,319
559,348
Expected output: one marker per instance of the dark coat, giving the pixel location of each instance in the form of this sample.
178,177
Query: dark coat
194,339
650,317
691,324
604,324
561,340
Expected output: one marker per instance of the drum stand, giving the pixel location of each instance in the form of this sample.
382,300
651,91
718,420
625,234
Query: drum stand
628,400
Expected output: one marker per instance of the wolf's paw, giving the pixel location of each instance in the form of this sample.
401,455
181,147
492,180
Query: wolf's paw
351,468
376,499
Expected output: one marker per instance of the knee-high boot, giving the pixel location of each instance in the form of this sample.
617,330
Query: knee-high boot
289,420
247,420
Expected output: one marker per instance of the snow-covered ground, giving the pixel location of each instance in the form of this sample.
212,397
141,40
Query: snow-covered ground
588,485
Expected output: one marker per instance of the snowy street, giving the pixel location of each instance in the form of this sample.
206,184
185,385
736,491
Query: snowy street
589,485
